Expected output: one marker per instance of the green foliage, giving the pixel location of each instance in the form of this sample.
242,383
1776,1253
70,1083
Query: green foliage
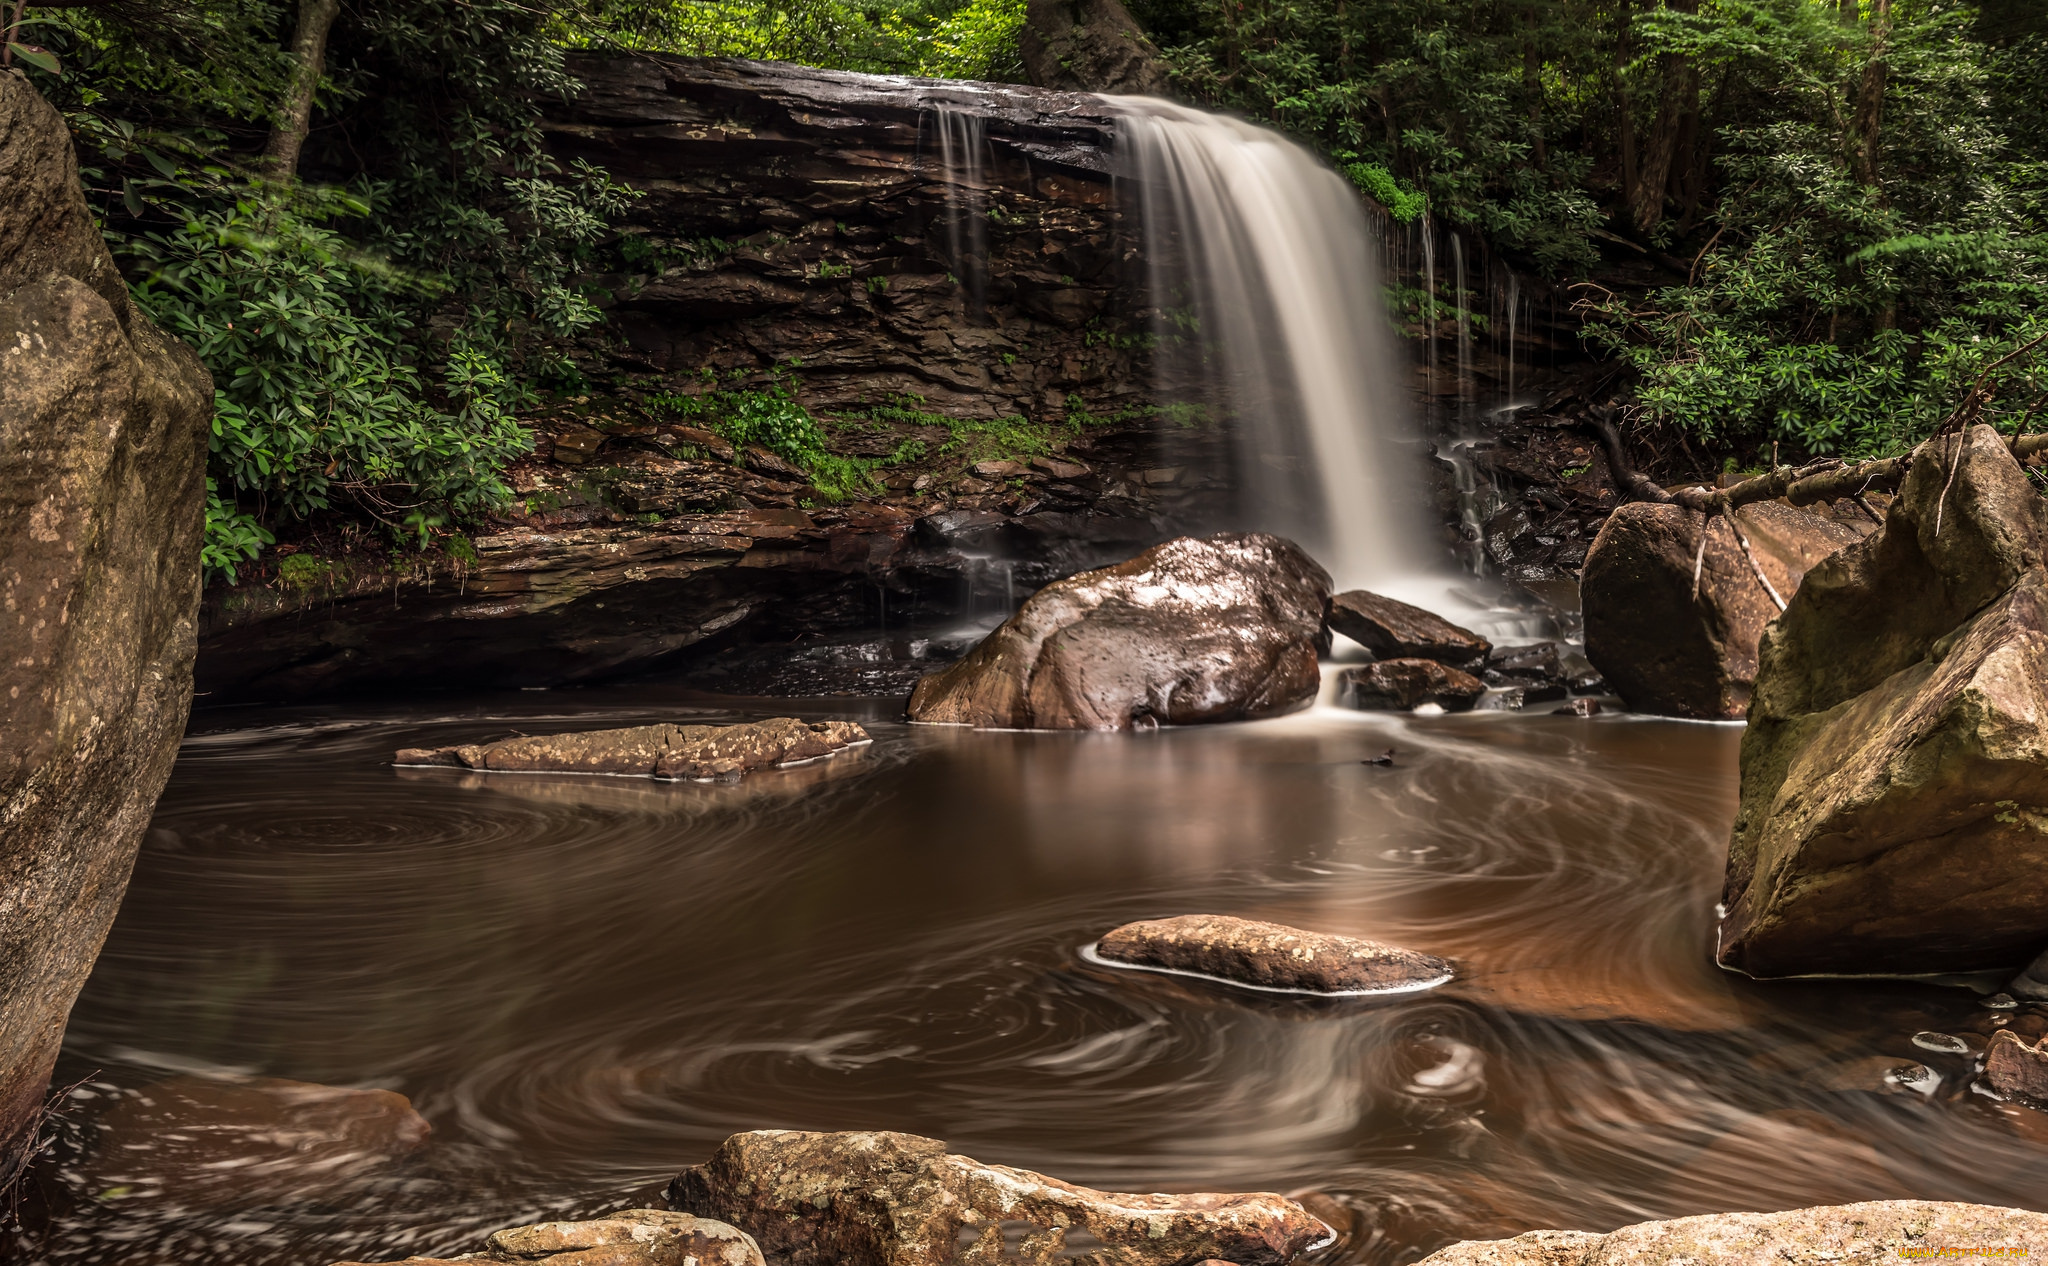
1405,205
233,536
953,39
773,419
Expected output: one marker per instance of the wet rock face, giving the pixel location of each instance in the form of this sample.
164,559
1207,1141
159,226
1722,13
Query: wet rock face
1873,1231
655,751
885,1199
1396,630
1218,628
1665,651
632,1237
1894,812
102,491
1271,955
1405,684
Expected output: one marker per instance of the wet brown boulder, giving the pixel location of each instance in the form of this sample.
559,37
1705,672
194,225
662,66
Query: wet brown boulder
1396,630
653,751
631,1237
1405,684
1872,1231
1218,628
1894,811
2015,1068
886,1199
1089,46
102,503
1271,955
1662,649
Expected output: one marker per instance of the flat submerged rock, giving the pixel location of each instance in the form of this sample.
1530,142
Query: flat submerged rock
633,1237
1271,956
653,751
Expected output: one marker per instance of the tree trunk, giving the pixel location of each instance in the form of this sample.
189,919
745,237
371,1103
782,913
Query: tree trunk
1869,117
1532,84
309,57
1625,107
1678,105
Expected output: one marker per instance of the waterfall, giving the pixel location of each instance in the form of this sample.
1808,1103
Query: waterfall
1263,254
963,140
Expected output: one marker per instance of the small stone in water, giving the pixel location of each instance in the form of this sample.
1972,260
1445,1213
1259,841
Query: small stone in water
1942,1042
1384,758
2000,1002
1918,1078
1579,708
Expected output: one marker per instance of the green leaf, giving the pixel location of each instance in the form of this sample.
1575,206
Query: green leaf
40,58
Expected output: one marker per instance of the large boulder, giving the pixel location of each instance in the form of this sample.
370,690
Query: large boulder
1665,650
1870,1232
1218,628
102,504
885,1199
1894,812
1404,684
1270,956
698,752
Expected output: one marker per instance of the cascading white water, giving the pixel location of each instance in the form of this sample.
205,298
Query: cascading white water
1271,251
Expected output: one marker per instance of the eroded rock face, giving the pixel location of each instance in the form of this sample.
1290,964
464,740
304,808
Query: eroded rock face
1396,630
102,490
1271,955
2017,1068
886,1199
1217,628
1870,1232
631,1237
653,751
1405,684
1894,812
1665,651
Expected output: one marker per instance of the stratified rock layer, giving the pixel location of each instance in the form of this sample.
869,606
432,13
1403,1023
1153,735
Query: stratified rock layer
1217,628
1894,813
632,1237
1271,955
1396,630
1871,1232
1402,684
1662,649
886,1199
102,491
653,751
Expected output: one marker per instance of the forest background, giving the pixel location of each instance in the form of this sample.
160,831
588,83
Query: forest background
345,205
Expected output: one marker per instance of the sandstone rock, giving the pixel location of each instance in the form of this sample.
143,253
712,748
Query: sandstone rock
1662,650
1089,46
219,1143
1894,811
885,1199
654,751
1870,1232
2017,1069
1404,684
1396,630
1218,628
102,500
631,1237
1271,955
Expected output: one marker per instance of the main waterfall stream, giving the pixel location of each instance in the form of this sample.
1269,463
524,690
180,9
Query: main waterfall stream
585,983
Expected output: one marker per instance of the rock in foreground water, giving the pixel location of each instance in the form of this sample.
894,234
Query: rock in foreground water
1271,955
1218,628
633,1237
1404,684
1396,630
653,751
2017,1069
1870,1232
1894,812
1669,652
886,1199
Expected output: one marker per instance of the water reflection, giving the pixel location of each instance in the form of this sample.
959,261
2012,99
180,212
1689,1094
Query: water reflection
584,984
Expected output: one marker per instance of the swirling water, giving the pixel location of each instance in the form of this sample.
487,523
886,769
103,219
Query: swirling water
584,983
